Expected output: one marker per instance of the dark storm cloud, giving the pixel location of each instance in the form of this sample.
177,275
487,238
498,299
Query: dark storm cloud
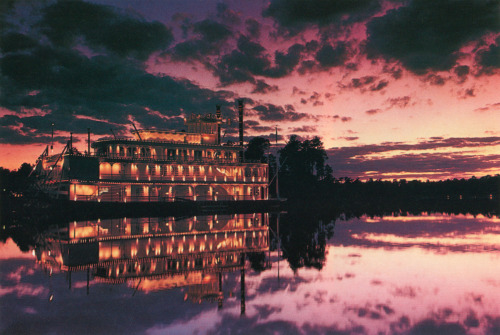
212,31
307,66
329,56
17,129
354,161
381,85
251,59
466,93
263,129
363,81
251,123
400,102
253,28
489,107
270,112
304,129
427,35
210,37
434,79
241,64
351,66
255,126
262,87
314,99
394,71
227,15
295,15
434,143
373,111
12,135
15,41
462,71
325,56
489,58
349,138
71,87
366,83
104,85
66,22
297,90
341,118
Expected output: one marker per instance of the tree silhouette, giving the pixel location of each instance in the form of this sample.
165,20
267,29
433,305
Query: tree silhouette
257,149
303,166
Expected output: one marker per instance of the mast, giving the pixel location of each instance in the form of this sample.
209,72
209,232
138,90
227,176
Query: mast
277,166
136,131
52,143
88,139
240,113
218,115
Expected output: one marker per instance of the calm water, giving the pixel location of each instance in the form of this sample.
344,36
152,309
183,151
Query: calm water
425,274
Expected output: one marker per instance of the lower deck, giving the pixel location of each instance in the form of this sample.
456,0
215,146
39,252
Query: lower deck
128,192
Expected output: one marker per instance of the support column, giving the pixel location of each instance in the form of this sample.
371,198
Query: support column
220,297
242,281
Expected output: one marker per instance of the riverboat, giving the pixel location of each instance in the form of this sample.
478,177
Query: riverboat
157,166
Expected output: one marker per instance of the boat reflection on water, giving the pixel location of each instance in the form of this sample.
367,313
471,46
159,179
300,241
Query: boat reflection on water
151,254
424,273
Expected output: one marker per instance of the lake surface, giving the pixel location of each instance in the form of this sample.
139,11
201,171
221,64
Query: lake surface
403,274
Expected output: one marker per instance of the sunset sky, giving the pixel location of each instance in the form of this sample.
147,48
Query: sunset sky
395,89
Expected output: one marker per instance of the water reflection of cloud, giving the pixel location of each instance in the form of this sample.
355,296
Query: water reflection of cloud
268,284
22,271
263,311
30,310
470,242
10,250
21,290
405,291
107,309
441,233
377,312
430,326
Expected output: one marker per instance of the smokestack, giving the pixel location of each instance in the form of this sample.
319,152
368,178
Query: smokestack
240,112
218,115
88,130
71,141
220,297
52,143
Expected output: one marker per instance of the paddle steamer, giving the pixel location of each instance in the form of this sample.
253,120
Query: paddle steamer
157,166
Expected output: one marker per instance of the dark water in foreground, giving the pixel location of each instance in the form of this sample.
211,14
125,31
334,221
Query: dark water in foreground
425,274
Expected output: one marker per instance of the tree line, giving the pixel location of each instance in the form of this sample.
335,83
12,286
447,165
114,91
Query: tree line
304,174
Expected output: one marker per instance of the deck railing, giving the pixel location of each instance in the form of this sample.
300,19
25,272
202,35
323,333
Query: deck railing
179,178
154,198
176,159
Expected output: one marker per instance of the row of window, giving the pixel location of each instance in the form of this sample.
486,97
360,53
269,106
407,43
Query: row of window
196,170
171,154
